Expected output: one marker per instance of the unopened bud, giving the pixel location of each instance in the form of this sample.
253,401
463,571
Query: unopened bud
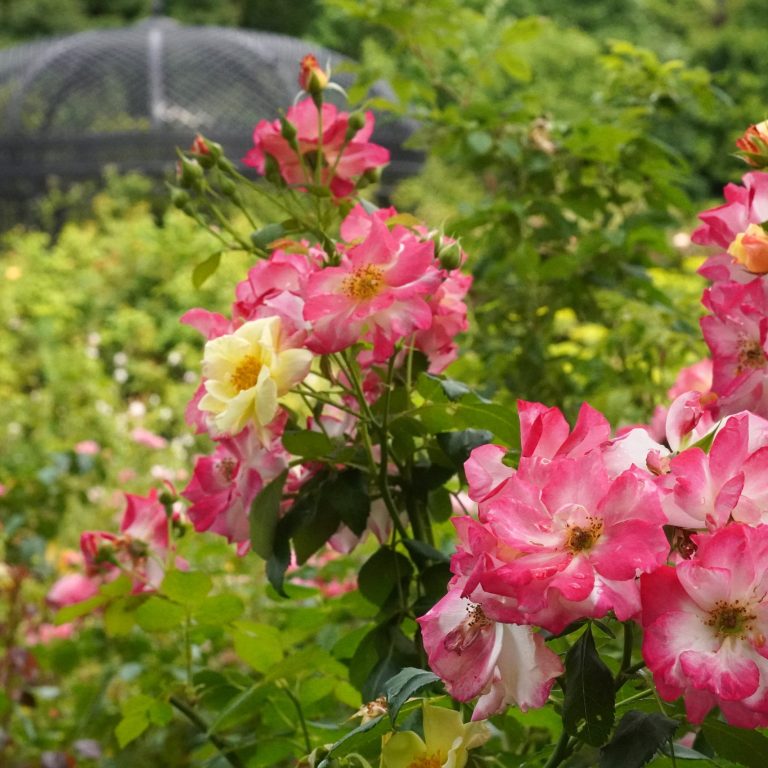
288,132
179,198
312,77
371,176
355,122
753,144
190,173
228,187
449,255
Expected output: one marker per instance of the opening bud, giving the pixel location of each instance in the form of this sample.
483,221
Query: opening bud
312,77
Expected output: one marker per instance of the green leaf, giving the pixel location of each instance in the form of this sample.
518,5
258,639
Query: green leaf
744,746
258,645
382,573
266,235
265,512
122,585
307,443
186,587
120,616
458,445
638,737
514,65
403,685
160,615
205,269
68,612
480,142
347,495
588,708
439,504
240,707
130,728
219,609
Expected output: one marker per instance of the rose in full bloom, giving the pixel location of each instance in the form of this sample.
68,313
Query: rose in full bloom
377,293
706,490
503,664
224,485
737,335
446,742
246,373
705,624
342,158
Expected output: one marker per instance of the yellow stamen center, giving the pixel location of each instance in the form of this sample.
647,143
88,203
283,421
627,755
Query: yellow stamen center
730,619
246,374
582,539
435,760
364,283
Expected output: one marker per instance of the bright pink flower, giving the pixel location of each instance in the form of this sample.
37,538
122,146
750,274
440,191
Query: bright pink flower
343,163
71,588
503,664
745,205
707,490
690,417
737,335
544,432
572,540
276,286
692,378
705,625
449,319
224,485
726,225
378,293
357,223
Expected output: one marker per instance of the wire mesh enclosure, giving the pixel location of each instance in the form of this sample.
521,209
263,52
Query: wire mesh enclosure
128,97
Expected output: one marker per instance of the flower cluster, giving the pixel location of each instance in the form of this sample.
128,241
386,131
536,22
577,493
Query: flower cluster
141,550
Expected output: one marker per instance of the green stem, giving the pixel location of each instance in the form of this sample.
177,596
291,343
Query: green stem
202,726
297,705
384,455
562,750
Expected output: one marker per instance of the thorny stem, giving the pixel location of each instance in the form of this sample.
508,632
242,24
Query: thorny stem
201,726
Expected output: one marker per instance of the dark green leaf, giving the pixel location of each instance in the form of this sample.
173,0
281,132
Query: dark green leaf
588,708
205,269
382,573
743,746
439,504
421,550
266,235
403,685
347,495
307,443
458,445
638,737
265,511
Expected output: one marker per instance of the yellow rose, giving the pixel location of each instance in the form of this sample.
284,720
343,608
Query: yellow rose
446,741
247,372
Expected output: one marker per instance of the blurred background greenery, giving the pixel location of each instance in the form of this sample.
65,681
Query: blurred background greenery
569,146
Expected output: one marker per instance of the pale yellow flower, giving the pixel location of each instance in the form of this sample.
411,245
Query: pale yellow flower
247,372
446,741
